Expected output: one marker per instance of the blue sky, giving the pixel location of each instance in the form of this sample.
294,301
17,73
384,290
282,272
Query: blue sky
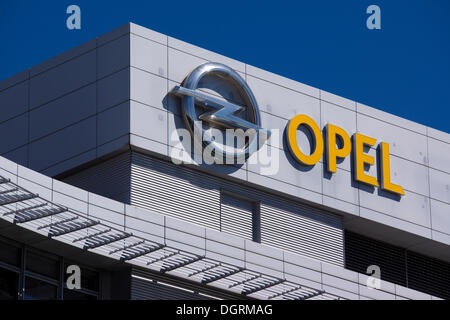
404,68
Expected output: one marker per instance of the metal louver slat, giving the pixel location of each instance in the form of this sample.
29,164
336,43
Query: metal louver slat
236,216
174,191
295,231
361,252
146,289
110,179
398,265
428,275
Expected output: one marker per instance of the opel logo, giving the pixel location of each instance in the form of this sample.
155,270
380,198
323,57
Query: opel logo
219,113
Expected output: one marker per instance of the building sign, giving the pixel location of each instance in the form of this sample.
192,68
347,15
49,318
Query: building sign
221,115
329,147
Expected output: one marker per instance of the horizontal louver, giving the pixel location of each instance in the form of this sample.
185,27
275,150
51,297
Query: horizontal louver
428,275
172,190
398,265
145,289
361,252
147,285
111,178
236,216
295,230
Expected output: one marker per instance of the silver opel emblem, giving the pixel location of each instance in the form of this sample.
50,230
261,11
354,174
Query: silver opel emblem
219,113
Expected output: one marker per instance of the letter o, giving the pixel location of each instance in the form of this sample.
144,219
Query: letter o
293,125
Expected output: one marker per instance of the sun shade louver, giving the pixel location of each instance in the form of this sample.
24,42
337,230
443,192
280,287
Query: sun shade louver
27,209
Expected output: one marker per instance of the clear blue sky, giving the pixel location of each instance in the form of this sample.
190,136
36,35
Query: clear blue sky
404,68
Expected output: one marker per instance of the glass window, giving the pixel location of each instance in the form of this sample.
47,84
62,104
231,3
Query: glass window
45,276
39,290
77,295
10,254
9,282
42,264
89,278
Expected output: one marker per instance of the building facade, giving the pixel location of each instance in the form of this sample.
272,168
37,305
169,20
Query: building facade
100,168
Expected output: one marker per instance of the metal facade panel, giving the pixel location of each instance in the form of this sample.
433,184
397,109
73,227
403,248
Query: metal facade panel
362,252
146,289
110,178
398,265
236,216
428,275
302,230
174,191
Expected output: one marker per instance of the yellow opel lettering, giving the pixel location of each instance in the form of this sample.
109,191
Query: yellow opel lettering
362,158
386,183
293,125
333,152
